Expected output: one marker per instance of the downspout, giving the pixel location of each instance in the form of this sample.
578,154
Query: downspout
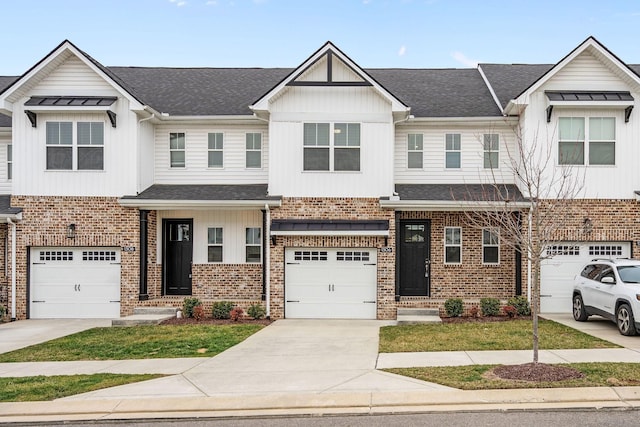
266,264
13,269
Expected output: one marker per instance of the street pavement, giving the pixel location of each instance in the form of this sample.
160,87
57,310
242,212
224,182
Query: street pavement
311,367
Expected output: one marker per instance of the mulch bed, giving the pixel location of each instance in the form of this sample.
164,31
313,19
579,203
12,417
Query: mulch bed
211,321
482,319
536,372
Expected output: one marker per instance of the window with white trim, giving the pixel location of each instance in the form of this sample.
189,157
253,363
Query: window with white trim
327,144
254,150
490,246
452,153
452,245
83,150
177,154
214,244
580,139
491,145
415,147
253,243
215,146
10,162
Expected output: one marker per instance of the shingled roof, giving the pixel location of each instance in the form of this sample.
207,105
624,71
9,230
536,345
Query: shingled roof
510,80
5,82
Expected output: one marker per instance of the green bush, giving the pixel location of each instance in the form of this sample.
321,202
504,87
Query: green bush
490,306
256,311
521,304
222,309
453,307
188,305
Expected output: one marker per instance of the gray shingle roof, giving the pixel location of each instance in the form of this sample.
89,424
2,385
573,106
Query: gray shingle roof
5,206
5,81
510,80
459,192
204,192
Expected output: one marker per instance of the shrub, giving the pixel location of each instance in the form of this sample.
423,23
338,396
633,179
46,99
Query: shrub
510,311
188,305
256,311
236,314
521,305
198,312
490,306
222,309
453,307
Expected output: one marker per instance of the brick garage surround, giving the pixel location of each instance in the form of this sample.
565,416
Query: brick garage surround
100,221
332,209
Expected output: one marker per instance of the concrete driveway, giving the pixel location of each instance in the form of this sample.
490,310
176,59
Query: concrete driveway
23,333
598,327
289,356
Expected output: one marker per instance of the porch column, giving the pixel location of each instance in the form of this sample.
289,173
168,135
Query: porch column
144,214
397,249
265,240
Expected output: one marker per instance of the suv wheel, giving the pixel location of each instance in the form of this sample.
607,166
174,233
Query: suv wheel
624,319
579,313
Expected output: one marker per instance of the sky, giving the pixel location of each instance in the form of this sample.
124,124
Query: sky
283,33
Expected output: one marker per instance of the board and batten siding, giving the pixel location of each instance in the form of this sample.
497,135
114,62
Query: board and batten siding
233,223
196,170
5,183
471,169
146,154
299,105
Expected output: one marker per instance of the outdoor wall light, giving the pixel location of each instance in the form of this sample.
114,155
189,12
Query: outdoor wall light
587,225
71,231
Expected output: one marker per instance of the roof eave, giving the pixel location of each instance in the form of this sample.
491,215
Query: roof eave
447,205
163,204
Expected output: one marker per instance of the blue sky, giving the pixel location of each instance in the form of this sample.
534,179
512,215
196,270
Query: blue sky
282,33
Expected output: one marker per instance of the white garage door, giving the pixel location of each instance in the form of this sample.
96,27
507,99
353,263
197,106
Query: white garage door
75,283
557,273
330,283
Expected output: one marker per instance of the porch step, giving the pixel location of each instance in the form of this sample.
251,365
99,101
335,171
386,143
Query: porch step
146,316
415,316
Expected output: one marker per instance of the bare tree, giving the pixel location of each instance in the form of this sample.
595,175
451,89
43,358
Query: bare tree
530,222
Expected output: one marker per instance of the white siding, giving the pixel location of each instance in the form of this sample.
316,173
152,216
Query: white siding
5,184
233,224
73,77
329,105
339,71
196,170
146,144
585,72
471,152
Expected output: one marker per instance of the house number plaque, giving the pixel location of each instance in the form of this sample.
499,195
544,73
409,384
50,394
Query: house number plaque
129,248
386,249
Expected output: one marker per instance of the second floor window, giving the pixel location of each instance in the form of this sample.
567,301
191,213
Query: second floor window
177,149
215,154
491,143
452,151
84,152
326,144
254,150
598,132
414,150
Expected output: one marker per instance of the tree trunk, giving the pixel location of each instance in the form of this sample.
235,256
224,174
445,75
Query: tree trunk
535,307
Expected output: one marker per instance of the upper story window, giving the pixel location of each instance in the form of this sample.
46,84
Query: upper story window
253,245
215,145
214,244
336,144
452,245
177,149
452,152
254,150
9,162
491,145
88,146
601,147
490,246
415,147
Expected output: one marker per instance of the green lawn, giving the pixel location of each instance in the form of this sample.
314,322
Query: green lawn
511,335
137,342
474,377
25,389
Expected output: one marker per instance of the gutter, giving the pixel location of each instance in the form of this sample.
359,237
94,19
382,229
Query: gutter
163,204
440,205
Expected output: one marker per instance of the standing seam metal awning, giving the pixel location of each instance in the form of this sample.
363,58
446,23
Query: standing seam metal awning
312,227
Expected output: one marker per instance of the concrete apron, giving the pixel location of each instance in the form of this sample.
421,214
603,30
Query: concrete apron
289,356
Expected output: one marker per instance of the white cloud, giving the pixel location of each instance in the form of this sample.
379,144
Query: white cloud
462,58
212,2
178,3
402,50
366,1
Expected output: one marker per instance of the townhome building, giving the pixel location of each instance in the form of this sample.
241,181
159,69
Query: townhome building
324,191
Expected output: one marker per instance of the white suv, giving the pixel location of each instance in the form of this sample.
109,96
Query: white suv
609,288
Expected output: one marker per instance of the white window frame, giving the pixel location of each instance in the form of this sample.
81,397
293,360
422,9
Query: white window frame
587,139
490,244
218,147
9,162
448,150
334,148
252,244
75,144
415,147
250,147
90,144
215,243
178,149
452,245
487,163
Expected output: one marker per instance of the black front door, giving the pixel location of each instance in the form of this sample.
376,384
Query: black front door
178,256
415,258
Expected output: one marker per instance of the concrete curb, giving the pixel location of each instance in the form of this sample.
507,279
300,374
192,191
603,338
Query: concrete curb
326,403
